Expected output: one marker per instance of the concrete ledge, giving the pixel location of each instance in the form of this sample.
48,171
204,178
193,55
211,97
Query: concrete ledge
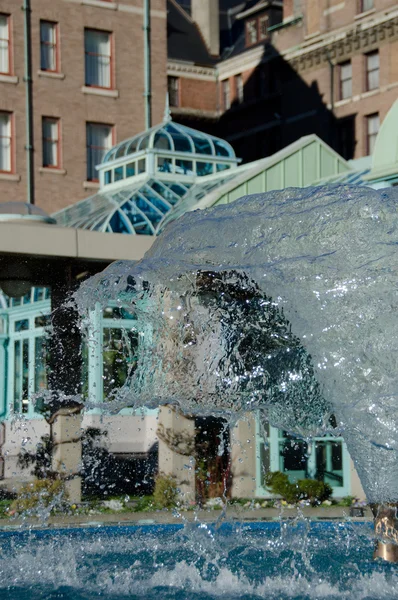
338,514
33,239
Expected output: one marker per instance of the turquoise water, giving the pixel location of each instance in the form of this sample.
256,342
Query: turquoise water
278,560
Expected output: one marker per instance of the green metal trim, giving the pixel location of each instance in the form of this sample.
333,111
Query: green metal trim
286,23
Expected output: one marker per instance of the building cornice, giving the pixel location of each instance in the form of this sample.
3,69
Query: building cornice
243,62
336,46
211,115
189,70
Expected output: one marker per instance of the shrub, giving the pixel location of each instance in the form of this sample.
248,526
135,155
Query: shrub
305,489
40,493
314,491
166,492
279,484
347,501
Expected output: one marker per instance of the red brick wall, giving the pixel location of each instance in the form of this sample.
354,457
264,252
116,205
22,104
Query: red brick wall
198,94
64,98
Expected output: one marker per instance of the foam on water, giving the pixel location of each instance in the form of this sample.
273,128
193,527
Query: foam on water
317,331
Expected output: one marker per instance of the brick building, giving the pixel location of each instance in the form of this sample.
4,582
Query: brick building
88,86
289,69
259,74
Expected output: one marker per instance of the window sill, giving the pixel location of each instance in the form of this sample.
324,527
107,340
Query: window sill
54,170
101,4
51,74
9,78
370,93
100,92
343,101
10,177
367,13
91,185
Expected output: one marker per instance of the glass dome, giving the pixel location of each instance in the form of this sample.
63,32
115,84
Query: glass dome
172,137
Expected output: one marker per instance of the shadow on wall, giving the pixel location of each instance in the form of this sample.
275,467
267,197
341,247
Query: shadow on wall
274,107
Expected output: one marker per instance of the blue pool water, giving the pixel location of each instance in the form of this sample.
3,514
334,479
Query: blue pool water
280,560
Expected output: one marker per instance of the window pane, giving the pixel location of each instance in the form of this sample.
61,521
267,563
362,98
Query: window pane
4,44
239,88
130,169
99,141
367,5
164,165
5,142
22,325
173,89
184,166
48,40
40,364
50,142
97,46
373,125
373,70
17,376
119,358
226,94
25,375
118,173
263,25
204,168
251,29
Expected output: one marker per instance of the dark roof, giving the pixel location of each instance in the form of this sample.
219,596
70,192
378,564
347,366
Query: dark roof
184,40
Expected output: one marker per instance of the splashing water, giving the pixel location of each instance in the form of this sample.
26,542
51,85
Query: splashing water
287,561
284,302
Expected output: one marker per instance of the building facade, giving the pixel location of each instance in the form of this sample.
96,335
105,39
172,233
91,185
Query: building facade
290,69
88,91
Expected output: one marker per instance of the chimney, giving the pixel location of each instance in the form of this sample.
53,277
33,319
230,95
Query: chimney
288,9
206,15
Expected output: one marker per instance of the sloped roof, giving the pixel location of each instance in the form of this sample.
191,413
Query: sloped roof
303,163
138,208
184,40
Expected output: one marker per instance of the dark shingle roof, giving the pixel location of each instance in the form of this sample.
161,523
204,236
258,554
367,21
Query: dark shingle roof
184,40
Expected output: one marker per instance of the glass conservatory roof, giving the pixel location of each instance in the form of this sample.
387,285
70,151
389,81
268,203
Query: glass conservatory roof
173,137
138,208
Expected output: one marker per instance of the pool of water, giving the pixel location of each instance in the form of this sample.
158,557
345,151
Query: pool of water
274,560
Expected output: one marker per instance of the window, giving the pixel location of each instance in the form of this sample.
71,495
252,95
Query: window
346,137
50,138
99,141
263,27
345,80
5,51
262,81
365,5
49,46
98,58
5,142
239,88
372,71
226,92
372,129
174,91
251,32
